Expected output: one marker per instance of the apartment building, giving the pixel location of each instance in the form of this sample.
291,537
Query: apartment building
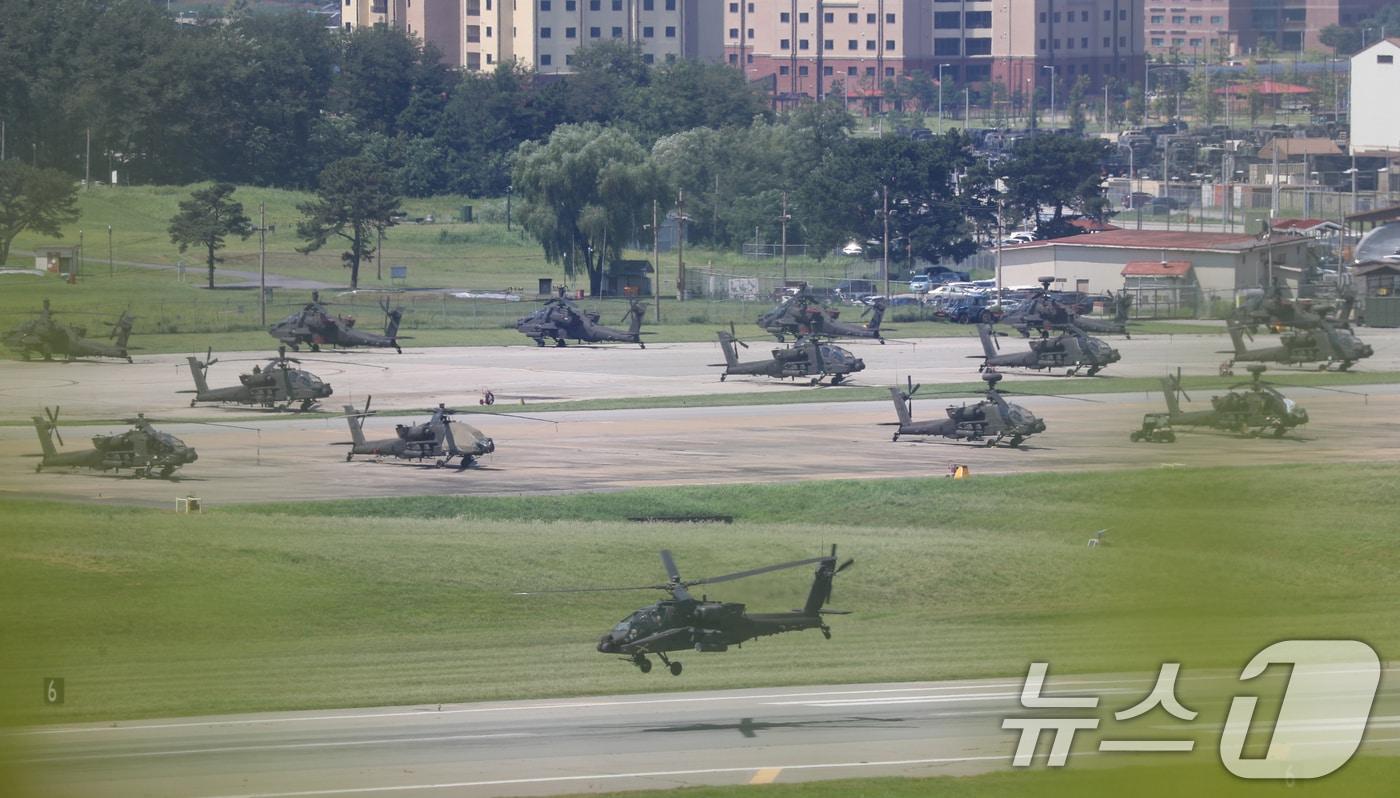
478,34
1217,29
816,48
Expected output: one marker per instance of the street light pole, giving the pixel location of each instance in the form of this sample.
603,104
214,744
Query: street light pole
262,262
1051,67
784,219
940,97
885,192
111,268
508,191
656,257
680,245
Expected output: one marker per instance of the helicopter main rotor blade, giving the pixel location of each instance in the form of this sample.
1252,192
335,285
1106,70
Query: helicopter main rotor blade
588,590
754,572
669,564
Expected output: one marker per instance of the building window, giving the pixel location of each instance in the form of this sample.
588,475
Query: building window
570,33
802,44
648,32
1178,19
1069,44
978,46
569,5
1107,15
489,60
802,71
889,72
595,5
889,45
1217,20
1197,19
733,33
783,17
733,59
544,6
617,32
1157,41
826,70
853,18
889,19
473,34
1122,41
803,18
650,5
545,33
870,19
670,31
617,5
828,45
1122,15
978,72
852,71
1057,17
977,19
594,33
569,60
1083,16
947,46
671,6
1056,44
733,8
1044,18
1042,44
870,44
829,17
473,9
1083,42
783,70
1385,59
1107,42
870,71
648,58
784,44
546,59
949,20
851,44
1157,19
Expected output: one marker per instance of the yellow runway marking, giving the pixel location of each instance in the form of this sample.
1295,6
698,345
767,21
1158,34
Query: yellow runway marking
765,776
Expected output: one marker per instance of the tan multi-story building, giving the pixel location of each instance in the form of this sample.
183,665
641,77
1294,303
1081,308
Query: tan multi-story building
814,48
1217,29
478,34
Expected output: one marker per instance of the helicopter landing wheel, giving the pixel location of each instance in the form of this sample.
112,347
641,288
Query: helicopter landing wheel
838,379
675,668
539,342
643,664
1278,431
1135,436
559,342
1016,441
722,376
38,468
349,455
826,632
1346,364
440,464
192,401
895,437
1092,371
166,472
315,347
307,404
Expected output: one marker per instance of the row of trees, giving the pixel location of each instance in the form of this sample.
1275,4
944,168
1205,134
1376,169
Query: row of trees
275,99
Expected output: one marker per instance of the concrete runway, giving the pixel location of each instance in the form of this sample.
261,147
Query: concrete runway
420,378
656,741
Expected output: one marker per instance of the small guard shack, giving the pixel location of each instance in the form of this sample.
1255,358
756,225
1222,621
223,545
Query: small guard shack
57,260
628,278
1378,283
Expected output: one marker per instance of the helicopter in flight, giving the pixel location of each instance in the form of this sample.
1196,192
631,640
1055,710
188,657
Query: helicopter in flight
46,337
684,623
989,421
802,314
562,320
315,327
1323,345
1071,350
1045,310
432,439
142,449
1257,409
806,357
277,384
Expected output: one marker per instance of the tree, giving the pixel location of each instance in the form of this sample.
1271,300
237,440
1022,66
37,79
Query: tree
206,219
585,194
1203,97
1059,171
1076,105
355,199
1343,40
33,198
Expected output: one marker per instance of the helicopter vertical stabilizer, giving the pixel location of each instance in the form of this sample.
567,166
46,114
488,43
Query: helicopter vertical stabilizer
197,371
45,430
1169,389
985,333
1237,340
357,429
726,342
901,406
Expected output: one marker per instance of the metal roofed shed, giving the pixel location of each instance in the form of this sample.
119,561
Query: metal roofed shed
1162,288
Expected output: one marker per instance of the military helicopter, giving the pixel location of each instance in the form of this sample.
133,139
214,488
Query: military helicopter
561,319
142,449
806,357
314,326
1274,310
1044,311
46,337
684,623
802,315
431,439
990,420
1253,411
1071,350
1324,345
277,384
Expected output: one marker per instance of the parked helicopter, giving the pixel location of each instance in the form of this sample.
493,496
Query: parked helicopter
1274,310
990,420
1324,346
686,623
802,315
277,384
314,326
806,357
1044,311
147,452
431,439
1071,350
46,337
1253,411
561,320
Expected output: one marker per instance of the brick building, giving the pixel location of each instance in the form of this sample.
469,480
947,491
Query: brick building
1215,29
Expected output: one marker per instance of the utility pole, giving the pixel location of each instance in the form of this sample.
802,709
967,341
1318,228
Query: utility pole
508,191
967,107
1105,106
262,262
885,191
1166,182
379,253
87,160
2,140
656,257
1000,285
784,219
111,267
680,245
1273,195
940,98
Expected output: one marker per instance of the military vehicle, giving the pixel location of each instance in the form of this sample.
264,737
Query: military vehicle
1324,345
277,384
46,337
314,326
989,421
1253,411
802,314
1071,350
142,449
685,623
1274,310
562,320
1047,311
430,440
805,357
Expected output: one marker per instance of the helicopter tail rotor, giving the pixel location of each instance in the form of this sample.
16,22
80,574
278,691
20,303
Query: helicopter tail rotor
53,422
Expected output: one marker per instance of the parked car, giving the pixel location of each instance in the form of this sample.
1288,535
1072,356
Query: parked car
920,284
1138,199
853,249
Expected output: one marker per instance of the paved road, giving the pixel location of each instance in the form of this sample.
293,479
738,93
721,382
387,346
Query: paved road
611,450
659,741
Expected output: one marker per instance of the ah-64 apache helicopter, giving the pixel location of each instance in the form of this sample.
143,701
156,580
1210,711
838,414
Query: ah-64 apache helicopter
805,357
1323,345
990,420
802,315
685,623
562,320
142,449
1274,310
46,337
315,327
1045,310
277,384
1257,409
1071,350
430,440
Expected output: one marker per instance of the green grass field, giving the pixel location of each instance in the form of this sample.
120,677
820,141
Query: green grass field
147,613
